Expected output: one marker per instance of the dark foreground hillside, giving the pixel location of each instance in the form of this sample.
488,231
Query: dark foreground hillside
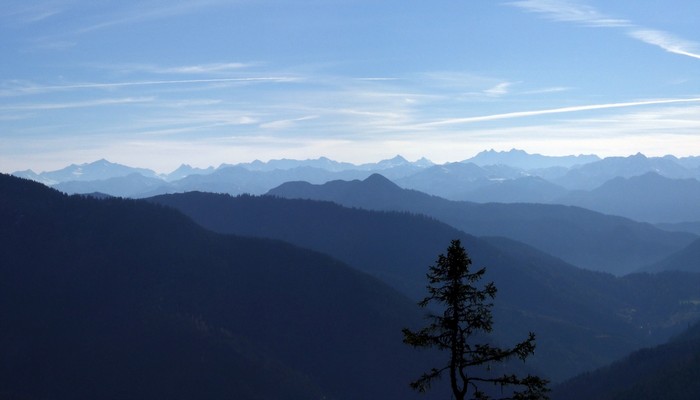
117,299
669,371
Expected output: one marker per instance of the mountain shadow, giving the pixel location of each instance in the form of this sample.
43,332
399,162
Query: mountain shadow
119,298
581,237
583,319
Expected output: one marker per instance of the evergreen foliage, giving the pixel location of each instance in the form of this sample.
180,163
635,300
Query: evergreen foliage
467,311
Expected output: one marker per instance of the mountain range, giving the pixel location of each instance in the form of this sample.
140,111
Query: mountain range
97,291
599,315
118,298
581,237
611,185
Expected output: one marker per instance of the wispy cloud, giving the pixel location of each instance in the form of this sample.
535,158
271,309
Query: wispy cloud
561,110
555,89
88,17
568,11
377,79
498,90
77,104
204,68
286,123
34,89
667,41
196,120
29,14
194,69
150,10
52,44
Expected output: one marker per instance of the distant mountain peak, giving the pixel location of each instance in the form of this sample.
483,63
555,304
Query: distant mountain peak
424,162
521,159
395,161
379,179
517,151
511,151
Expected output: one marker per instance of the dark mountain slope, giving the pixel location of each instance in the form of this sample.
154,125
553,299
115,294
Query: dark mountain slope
386,244
582,318
669,371
124,299
581,237
687,259
690,227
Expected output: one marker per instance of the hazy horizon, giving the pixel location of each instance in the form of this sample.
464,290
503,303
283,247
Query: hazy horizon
411,160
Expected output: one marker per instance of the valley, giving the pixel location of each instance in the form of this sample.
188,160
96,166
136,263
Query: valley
236,265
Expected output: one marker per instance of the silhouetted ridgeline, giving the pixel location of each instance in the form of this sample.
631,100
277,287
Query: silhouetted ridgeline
669,371
581,237
647,189
650,197
687,259
583,319
123,299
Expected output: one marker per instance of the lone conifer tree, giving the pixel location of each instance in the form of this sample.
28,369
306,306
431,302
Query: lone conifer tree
467,310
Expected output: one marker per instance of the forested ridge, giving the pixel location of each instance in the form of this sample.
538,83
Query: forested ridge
123,299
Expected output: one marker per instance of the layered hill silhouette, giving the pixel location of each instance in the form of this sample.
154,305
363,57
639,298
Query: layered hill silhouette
592,175
124,299
691,227
132,185
668,371
687,259
581,237
583,319
622,186
650,197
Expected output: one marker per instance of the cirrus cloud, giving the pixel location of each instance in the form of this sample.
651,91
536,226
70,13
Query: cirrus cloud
582,14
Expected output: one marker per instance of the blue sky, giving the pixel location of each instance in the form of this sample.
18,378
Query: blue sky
156,83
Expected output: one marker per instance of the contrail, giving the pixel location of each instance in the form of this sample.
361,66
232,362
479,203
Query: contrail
521,114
